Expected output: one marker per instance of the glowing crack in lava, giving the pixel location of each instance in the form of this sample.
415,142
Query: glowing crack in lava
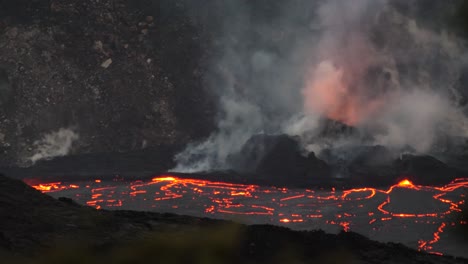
418,216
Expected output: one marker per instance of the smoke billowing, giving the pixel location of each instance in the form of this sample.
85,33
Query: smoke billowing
55,144
286,67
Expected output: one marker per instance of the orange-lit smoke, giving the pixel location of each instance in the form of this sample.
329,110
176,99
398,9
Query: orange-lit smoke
328,93
345,83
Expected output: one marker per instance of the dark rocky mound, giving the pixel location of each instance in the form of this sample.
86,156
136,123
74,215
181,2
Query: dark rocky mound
34,225
279,160
360,161
427,169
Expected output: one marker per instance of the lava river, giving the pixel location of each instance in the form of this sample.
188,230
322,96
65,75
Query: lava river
422,217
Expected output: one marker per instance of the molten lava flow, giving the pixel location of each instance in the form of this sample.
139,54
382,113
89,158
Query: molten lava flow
406,183
393,210
54,187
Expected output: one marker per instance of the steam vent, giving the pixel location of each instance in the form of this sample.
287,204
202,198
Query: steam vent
207,131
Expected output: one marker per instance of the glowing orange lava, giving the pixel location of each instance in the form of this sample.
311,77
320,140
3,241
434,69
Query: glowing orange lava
54,186
343,209
405,183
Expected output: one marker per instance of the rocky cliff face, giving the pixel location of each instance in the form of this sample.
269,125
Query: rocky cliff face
98,76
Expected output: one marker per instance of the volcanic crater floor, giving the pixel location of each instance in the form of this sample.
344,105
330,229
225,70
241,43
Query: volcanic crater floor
425,218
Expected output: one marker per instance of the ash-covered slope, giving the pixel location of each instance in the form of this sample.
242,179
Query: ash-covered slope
33,223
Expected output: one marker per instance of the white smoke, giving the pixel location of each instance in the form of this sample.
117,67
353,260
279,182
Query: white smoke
362,62
398,109
412,110
240,123
55,144
417,118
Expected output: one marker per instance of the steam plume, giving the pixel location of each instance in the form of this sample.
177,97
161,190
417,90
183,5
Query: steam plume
365,63
55,144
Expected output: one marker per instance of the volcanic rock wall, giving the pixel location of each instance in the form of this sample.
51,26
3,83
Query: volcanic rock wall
119,75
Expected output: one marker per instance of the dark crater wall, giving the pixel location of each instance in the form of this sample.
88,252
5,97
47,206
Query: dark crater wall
53,75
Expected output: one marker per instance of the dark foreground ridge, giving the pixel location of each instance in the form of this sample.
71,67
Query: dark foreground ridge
35,226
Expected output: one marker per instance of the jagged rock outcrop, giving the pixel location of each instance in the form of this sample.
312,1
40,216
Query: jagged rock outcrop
278,159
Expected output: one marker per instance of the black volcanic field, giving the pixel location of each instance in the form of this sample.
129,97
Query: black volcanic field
127,76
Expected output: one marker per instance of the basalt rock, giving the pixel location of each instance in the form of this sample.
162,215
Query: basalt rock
426,170
360,161
278,159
